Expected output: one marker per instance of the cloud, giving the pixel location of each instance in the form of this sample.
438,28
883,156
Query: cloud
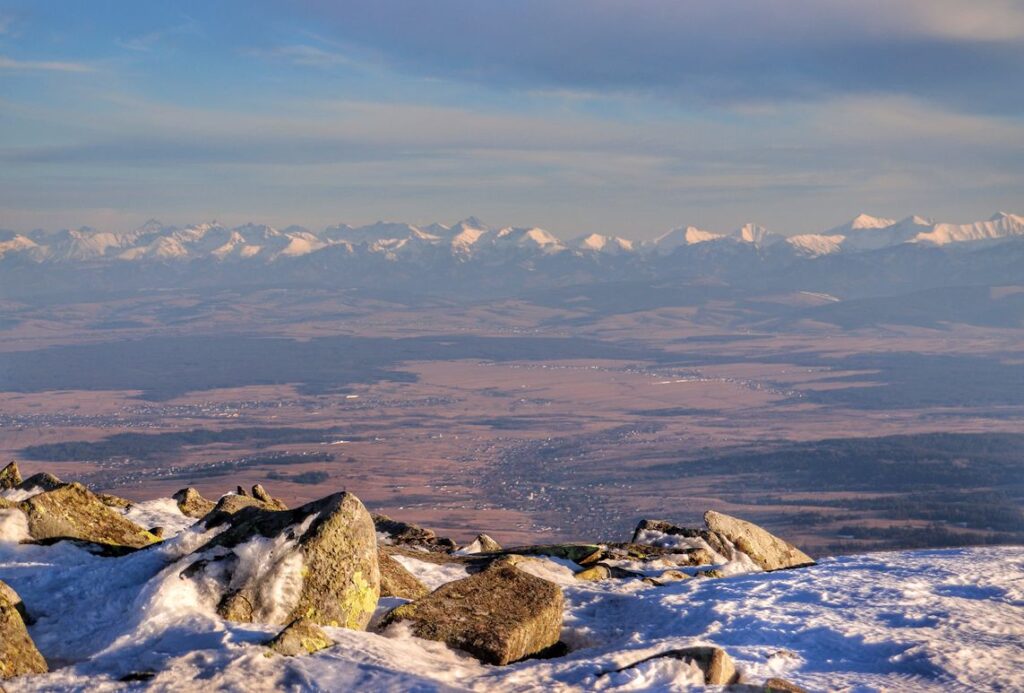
49,65
308,56
705,53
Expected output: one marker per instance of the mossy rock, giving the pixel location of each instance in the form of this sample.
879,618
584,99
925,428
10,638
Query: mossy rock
10,476
192,504
72,511
334,539
301,637
499,615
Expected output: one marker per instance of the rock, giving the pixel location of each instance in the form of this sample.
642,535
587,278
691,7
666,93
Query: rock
318,562
10,476
43,480
764,548
667,577
260,494
157,532
716,664
112,501
300,637
712,573
396,581
776,685
18,654
240,491
74,512
603,571
482,544
228,506
411,535
499,615
644,531
192,504
583,554
7,592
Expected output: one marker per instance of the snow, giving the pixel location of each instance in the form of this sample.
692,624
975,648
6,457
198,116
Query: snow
935,620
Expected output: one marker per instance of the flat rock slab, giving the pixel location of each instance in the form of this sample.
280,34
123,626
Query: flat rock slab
74,512
18,654
764,548
498,615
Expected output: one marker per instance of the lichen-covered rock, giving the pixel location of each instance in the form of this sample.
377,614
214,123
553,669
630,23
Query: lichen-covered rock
406,533
300,637
7,593
715,662
261,494
603,571
667,578
499,615
764,548
18,654
396,581
192,504
43,480
10,476
482,544
318,562
74,512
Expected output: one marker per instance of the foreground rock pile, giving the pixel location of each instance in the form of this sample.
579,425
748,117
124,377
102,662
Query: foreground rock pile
331,564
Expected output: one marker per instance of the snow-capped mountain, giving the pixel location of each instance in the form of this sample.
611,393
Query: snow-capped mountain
864,251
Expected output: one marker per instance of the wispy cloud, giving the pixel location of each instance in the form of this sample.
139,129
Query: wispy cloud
47,65
145,43
308,56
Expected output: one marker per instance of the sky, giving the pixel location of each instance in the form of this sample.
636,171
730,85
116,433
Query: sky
579,116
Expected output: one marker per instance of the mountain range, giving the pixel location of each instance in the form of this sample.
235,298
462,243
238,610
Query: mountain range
865,256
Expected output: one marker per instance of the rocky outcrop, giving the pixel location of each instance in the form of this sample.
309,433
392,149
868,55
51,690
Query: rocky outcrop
583,554
112,501
72,511
396,581
42,481
408,534
192,504
317,562
499,615
764,548
715,662
301,637
229,505
18,654
10,476
667,535
261,494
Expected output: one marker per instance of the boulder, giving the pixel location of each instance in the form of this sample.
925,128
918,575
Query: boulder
499,615
74,512
42,480
406,533
716,664
10,476
18,654
603,571
667,535
764,548
7,592
317,562
300,637
667,578
192,504
396,581
260,494
482,544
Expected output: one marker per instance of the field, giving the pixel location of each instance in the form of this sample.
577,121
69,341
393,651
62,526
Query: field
557,415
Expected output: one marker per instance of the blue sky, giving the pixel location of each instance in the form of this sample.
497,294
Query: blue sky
576,115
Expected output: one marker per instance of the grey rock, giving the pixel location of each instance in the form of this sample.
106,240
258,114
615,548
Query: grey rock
499,615
72,511
764,548
396,581
192,504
